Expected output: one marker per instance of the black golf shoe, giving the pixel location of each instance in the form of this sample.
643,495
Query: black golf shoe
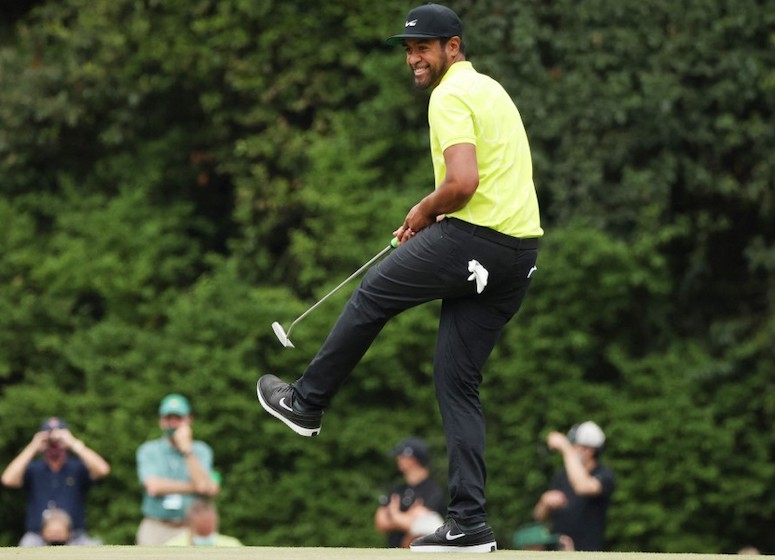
450,538
277,399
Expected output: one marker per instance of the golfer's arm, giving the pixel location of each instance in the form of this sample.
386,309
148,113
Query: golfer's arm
459,184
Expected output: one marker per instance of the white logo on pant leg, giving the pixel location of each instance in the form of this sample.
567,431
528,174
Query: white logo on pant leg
532,270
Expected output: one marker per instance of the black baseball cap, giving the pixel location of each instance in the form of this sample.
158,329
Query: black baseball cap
429,21
52,423
414,447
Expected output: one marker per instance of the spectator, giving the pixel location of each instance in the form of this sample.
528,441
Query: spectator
415,507
57,526
173,470
578,498
202,527
57,480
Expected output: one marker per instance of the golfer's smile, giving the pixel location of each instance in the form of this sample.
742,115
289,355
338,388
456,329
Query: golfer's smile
427,60
420,72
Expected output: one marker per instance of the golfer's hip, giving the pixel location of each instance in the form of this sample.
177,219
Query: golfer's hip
490,234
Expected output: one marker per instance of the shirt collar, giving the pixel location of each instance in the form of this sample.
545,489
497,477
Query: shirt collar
456,68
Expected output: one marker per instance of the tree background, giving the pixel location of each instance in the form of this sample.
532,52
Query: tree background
176,175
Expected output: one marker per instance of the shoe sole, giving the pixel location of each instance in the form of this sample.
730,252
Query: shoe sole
301,430
485,547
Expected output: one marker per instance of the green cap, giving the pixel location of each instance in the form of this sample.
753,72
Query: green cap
534,534
174,404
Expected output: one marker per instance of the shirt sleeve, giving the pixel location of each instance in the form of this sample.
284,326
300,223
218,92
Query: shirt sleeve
451,119
204,453
146,465
27,478
557,481
84,476
607,481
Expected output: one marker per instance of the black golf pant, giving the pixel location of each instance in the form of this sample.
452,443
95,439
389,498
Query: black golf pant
434,265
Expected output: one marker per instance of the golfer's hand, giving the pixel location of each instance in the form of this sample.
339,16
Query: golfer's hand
415,221
403,234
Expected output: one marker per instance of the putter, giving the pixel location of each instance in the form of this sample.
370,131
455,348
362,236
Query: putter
284,335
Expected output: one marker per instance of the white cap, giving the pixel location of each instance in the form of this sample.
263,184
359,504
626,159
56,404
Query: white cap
588,434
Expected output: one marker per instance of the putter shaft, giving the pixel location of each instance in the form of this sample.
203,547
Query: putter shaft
284,336
345,281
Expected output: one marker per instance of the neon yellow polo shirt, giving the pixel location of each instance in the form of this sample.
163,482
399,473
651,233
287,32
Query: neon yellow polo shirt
470,108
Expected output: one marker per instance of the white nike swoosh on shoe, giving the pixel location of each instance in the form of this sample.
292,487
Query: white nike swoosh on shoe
451,537
285,406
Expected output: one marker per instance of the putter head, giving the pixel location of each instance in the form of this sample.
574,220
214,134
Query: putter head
281,336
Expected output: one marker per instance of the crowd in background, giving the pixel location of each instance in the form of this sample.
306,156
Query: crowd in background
180,485
179,488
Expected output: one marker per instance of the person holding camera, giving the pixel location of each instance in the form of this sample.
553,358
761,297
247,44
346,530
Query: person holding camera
577,501
55,480
415,507
174,470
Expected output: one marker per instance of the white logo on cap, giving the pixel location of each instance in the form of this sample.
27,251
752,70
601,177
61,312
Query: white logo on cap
411,23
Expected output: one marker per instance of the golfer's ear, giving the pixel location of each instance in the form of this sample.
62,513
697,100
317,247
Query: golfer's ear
453,44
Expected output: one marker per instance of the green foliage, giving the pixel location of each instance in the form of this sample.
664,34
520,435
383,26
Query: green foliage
179,175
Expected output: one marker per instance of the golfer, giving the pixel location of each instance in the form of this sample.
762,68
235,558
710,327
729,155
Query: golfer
471,243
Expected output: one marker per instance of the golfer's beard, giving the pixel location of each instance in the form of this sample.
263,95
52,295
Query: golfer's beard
434,75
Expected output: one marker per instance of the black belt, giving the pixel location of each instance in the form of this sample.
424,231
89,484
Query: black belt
495,236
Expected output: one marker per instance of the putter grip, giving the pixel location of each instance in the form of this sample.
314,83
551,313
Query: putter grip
394,242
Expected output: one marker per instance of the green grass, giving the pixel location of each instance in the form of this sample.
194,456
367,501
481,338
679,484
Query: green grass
275,553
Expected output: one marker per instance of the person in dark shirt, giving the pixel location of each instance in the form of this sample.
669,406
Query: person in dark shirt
417,506
56,480
577,500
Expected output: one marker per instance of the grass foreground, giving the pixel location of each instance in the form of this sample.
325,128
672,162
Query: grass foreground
303,553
